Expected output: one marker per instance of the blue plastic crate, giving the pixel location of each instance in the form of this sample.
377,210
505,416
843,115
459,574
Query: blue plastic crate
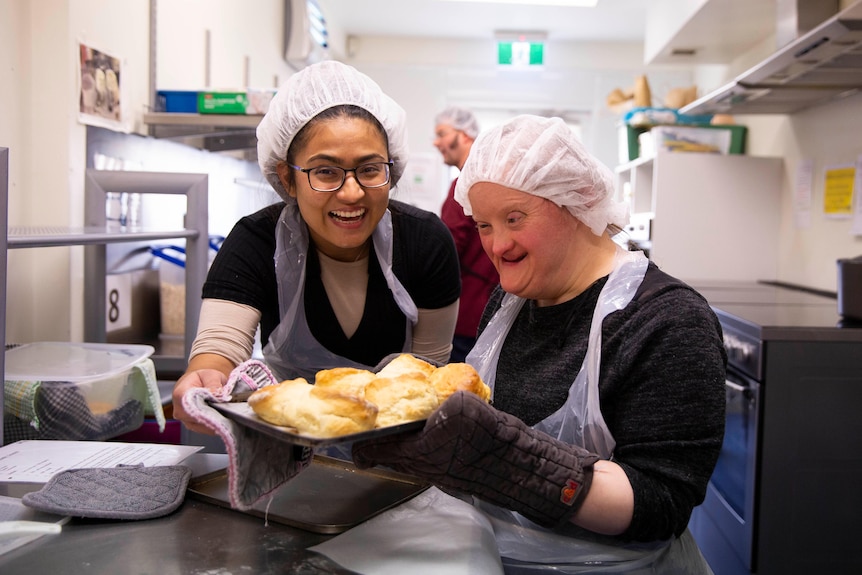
177,101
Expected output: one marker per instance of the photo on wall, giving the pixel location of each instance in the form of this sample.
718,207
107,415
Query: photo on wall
99,79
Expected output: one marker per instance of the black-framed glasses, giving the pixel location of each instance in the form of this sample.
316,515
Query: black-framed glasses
331,178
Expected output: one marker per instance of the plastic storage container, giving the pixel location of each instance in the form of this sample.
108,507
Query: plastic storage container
172,293
172,288
177,101
74,391
630,148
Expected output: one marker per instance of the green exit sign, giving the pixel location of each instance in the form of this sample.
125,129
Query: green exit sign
520,53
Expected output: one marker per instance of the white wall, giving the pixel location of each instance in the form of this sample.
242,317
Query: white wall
828,136
426,75
38,122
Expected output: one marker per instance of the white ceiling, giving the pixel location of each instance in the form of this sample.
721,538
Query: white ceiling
612,20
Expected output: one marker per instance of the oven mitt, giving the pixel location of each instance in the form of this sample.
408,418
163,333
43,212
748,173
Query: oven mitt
257,463
123,492
469,446
61,412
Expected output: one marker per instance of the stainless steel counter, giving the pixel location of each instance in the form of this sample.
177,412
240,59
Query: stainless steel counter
197,538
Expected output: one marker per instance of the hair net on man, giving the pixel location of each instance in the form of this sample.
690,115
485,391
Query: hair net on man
460,119
311,91
543,157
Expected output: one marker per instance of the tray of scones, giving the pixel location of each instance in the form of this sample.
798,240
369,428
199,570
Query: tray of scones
346,404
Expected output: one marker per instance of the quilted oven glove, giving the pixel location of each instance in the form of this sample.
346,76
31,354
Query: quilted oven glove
470,446
257,463
64,414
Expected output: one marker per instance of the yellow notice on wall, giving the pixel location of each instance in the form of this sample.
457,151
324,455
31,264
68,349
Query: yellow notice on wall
838,191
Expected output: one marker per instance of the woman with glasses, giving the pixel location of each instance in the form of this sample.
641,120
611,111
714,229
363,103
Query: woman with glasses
336,274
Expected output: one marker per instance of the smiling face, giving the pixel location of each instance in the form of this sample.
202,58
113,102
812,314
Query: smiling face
340,222
538,248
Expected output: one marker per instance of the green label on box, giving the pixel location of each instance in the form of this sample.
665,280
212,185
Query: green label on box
222,102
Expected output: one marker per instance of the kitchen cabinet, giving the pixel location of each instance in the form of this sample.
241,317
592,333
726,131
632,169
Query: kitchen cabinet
96,235
704,31
218,44
708,216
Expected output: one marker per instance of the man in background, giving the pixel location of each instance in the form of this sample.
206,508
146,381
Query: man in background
455,130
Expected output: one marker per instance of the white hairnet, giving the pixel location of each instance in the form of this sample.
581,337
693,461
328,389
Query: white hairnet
543,157
460,119
311,91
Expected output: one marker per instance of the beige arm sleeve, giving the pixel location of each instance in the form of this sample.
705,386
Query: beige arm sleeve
227,329
432,334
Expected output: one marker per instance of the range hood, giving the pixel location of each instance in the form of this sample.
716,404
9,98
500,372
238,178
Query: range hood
822,65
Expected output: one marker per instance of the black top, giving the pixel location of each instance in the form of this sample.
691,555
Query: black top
661,388
423,259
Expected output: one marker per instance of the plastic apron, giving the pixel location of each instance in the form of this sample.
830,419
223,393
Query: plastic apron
292,350
529,548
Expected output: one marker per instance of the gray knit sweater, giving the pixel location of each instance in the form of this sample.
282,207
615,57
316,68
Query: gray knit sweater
661,388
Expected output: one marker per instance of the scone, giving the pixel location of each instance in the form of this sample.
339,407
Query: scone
406,364
453,377
401,399
312,411
347,380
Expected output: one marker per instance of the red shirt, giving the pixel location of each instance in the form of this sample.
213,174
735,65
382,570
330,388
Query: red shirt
478,274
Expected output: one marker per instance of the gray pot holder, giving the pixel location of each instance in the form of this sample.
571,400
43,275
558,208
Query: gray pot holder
123,492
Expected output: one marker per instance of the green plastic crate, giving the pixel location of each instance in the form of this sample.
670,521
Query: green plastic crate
222,102
737,136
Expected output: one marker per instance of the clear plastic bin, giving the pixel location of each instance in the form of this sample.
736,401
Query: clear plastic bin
90,391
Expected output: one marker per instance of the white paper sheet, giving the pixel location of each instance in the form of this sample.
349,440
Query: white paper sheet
37,461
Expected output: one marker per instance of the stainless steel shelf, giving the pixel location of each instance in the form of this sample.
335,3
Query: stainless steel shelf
25,237
213,132
203,120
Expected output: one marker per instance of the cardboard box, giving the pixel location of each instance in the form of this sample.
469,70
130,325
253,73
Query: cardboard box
222,102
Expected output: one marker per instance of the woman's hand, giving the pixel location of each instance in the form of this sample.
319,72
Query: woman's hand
208,371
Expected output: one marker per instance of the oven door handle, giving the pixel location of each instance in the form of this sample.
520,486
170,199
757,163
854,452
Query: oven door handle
735,386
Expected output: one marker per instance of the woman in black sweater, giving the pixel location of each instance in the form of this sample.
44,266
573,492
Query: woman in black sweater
607,373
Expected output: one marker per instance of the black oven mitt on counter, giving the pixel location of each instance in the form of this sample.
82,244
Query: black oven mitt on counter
123,492
469,446
257,463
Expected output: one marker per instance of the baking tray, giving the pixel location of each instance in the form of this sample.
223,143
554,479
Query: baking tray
244,415
329,496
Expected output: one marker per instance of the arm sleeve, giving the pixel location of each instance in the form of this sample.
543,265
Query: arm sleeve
432,335
663,399
227,329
